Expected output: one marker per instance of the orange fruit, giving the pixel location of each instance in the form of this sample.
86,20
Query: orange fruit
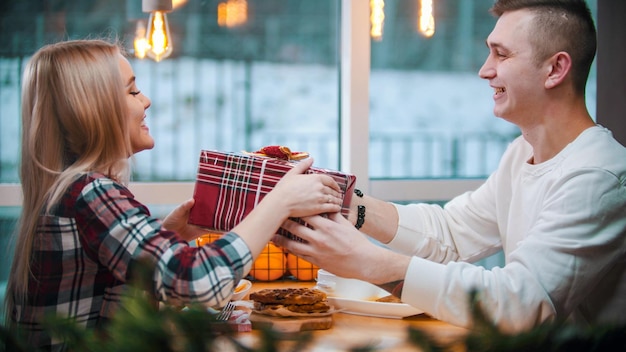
207,238
300,268
270,265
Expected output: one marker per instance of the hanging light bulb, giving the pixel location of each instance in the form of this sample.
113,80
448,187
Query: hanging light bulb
140,43
426,20
158,33
377,19
158,36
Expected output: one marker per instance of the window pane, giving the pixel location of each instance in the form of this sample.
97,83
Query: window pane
273,79
10,75
8,222
430,114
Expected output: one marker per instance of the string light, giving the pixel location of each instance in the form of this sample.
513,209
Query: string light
377,19
426,20
232,13
141,43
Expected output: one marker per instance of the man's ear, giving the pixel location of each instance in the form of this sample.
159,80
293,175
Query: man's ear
559,66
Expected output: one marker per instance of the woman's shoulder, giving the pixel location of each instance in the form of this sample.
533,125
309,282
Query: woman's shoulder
90,182
94,177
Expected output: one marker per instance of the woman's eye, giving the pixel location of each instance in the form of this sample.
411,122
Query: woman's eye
135,93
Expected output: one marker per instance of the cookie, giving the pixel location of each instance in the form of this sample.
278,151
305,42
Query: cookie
288,296
319,307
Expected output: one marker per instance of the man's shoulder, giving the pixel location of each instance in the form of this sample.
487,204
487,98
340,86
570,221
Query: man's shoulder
598,143
603,135
597,151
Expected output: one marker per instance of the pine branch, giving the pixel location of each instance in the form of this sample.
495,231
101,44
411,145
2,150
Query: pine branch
139,326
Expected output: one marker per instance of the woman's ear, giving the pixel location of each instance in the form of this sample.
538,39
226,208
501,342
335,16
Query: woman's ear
559,66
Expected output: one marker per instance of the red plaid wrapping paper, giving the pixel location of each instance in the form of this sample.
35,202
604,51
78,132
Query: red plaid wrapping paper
229,185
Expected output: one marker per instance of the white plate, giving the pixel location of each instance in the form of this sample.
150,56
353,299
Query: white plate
359,297
374,309
242,289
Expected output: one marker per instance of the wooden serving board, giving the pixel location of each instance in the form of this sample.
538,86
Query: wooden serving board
290,324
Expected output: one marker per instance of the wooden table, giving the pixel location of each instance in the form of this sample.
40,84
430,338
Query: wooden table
351,330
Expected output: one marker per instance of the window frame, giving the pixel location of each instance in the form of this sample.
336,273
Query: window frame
354,130
354,133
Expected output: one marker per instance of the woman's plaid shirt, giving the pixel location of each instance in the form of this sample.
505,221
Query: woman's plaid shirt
85,247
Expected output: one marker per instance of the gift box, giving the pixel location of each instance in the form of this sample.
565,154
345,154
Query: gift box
229,185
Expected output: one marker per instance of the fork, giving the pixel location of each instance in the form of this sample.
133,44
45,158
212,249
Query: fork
226,312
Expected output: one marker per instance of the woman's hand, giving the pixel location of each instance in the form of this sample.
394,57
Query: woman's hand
177,221
306,194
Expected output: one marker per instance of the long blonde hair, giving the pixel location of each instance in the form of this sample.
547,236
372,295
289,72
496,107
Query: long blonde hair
74,117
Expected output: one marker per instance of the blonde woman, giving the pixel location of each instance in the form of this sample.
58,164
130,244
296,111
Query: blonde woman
82,230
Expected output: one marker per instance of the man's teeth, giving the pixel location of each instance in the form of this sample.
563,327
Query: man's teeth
499,90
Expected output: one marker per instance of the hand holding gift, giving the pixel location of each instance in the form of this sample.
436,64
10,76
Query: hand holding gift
177,221
230,185
307,194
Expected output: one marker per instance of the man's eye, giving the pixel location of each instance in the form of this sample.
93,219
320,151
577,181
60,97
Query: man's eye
135,93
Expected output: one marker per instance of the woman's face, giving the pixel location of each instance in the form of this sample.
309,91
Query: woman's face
140,138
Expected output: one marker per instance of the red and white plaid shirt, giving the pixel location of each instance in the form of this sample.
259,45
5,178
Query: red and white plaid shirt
84,249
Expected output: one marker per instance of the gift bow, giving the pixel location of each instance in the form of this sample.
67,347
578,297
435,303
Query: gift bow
279,152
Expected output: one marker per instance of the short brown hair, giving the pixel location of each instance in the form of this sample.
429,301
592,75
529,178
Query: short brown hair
559,25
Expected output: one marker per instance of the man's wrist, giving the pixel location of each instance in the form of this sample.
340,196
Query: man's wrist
393,287
360,210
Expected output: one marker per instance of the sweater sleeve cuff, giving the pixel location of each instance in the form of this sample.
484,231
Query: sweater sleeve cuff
405,239
423,284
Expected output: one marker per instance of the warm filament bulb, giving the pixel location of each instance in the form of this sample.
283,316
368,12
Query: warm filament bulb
377,18
158,36
141,43
232,13
426,21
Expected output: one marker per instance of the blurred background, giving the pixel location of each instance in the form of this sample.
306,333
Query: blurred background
243,74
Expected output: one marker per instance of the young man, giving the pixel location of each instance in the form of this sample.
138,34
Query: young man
555,205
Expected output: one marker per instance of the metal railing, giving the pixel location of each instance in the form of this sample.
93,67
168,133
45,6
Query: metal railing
392,155
186,117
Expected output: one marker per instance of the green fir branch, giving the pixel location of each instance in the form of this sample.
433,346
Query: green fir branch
140,326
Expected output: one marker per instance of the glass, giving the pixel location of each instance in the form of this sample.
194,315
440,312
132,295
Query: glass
430,114
271,79
8,223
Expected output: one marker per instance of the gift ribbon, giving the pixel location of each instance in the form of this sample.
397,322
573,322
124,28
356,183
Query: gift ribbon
258,188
